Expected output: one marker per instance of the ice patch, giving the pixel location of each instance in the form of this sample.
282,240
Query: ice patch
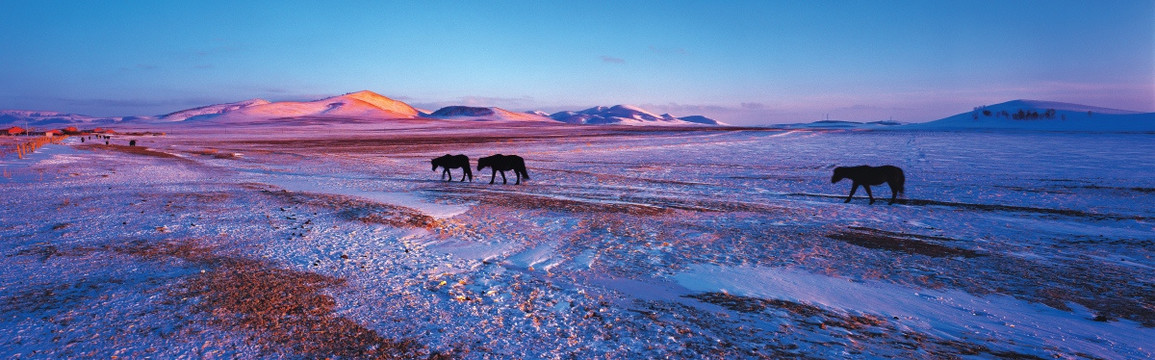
470,250
949,313
540,257
585,260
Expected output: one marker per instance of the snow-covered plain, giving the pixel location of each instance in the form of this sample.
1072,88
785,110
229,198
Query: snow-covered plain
327,241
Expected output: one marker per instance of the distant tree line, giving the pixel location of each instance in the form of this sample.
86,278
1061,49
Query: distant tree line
1019,115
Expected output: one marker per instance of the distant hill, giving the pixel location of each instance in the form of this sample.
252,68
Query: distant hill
627,115
1045,115
51,119
841,124
483,113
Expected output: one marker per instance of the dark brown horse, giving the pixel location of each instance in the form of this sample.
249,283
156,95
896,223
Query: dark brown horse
452,162
870,175
502,163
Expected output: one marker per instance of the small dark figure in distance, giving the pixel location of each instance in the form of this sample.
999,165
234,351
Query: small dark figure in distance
452,162
132,143
502,163
870,175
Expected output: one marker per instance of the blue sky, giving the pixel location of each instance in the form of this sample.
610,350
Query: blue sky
751,62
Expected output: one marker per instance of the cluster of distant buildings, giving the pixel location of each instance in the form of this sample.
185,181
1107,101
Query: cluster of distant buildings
71,130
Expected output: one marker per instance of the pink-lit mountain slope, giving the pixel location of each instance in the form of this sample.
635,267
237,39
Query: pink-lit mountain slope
358,105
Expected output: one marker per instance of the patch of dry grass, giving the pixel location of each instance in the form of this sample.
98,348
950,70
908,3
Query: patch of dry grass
362,210
752,305
889,241
535,202
283,311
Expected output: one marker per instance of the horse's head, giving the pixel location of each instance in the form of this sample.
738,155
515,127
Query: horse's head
440,160
839,174
483,162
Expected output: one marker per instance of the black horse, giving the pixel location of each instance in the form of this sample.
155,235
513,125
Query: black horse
452,162
502,163
870,175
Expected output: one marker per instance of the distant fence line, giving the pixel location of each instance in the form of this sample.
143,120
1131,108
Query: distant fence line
24,148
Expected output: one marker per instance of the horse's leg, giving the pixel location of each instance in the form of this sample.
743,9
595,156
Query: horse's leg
446,173
464,170
868,194
893,193
493,176
503,182
518,175
853,188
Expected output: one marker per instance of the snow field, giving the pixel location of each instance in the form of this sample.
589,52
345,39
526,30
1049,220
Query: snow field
625,244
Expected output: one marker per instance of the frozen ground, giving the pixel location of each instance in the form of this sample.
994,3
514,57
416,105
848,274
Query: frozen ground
692,243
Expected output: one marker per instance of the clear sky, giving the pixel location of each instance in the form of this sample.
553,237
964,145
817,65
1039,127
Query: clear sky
752,62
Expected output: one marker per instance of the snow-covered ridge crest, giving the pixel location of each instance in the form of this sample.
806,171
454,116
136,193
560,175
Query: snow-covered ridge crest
212,109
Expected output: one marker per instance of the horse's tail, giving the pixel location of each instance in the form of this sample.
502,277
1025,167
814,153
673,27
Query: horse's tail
524,174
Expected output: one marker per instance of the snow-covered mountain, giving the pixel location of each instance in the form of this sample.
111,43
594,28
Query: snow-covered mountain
360,105
483,113
627,115
1045,115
